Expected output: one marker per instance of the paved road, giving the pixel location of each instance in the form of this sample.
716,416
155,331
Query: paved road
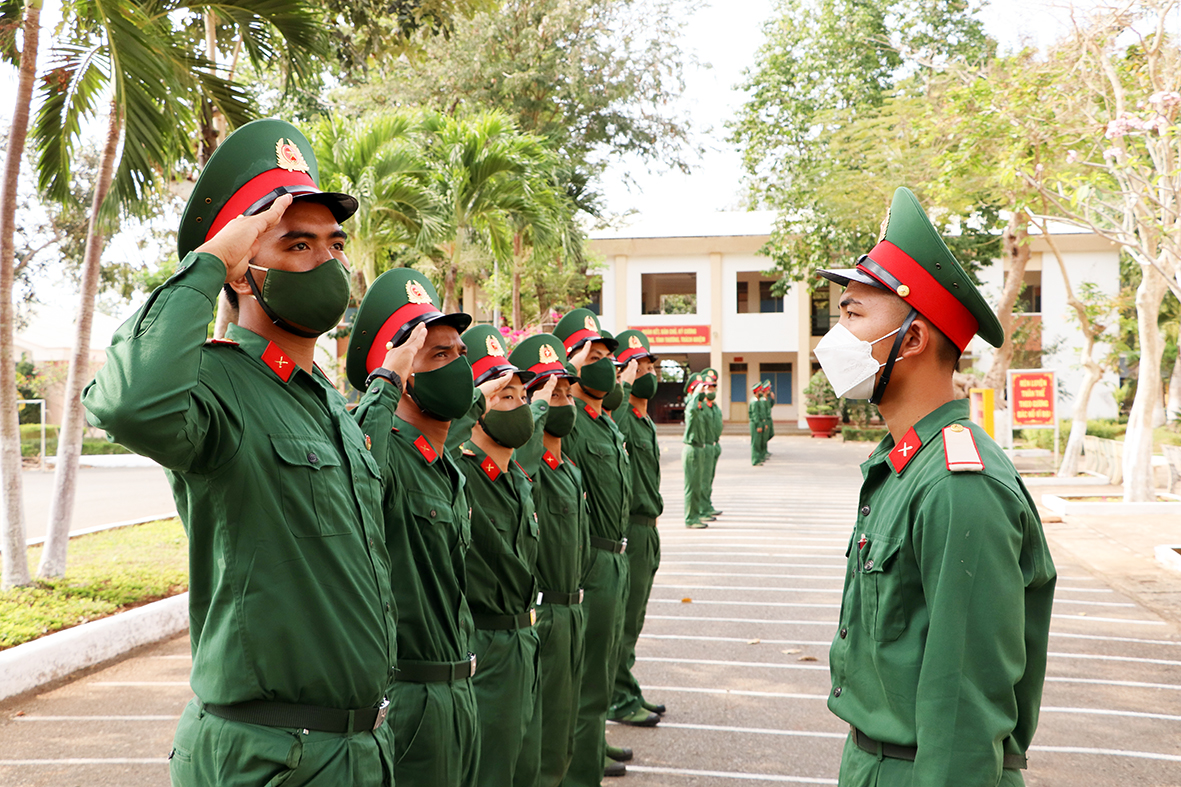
742,665
105,495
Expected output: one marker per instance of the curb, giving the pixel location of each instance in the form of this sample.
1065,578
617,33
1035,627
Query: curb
36,663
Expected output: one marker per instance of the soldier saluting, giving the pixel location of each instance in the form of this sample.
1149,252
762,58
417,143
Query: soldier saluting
940,657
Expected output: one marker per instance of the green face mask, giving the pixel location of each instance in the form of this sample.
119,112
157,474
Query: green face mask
598,376
560,420
711,395
615,398
645,386
315,299
445,393
509,428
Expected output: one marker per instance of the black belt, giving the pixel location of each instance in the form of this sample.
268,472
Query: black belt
618,547
436,671
307,717
1012,762
639,519
505,622
557,597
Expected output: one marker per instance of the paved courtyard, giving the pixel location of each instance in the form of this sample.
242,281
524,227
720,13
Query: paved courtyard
736,645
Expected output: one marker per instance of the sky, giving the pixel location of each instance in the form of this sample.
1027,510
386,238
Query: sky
725,35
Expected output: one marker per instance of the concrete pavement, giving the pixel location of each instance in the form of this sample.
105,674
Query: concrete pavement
104,495
736,644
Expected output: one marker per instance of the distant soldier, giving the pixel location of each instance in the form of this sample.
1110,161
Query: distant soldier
709,379
770,394
696,453
940,655
757,412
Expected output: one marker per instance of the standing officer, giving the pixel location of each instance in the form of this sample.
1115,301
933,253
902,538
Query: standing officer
628,705
292,614
597,448
713,411
758,425
427,521
940,658
696,453
501,587
563,550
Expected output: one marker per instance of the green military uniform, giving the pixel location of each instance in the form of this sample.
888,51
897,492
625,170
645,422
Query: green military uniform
714,412
563,556
697,453
501,593
759,419
643,538
770,411
428,531
597,447
289,602
940,657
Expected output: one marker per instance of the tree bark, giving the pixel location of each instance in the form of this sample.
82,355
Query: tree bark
1138,480
518,315
16,560
69,446
1016,257
450,301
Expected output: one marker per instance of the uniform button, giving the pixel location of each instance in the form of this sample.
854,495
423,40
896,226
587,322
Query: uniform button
869,565
313,458
565,509
836,692
433,513
865,511
844,633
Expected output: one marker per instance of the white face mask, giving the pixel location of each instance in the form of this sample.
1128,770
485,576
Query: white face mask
848,362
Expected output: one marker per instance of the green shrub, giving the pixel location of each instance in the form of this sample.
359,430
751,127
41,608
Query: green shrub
1108,428
33,431
863,435
819,397
91,446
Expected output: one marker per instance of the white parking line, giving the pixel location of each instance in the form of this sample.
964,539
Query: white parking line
829,577
1128,683
88,761
95,718
1146,755
1174,643
746,588
664,562
1090,618
749,603
1105,712
758,777
746,640
758,731
726,663
1100,657
740,692
830,623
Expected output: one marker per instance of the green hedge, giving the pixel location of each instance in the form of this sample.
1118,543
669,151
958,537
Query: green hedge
91,446
850,434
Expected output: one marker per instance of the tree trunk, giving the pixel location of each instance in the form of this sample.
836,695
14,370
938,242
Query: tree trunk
1016,257
16,556
1138,480
1078,426
450,301
518,317
1173,411
69,446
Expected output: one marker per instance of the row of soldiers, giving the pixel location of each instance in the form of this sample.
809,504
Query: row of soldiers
762,426
441,586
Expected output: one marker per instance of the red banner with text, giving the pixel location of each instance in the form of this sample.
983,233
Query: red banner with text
1032,398
676,334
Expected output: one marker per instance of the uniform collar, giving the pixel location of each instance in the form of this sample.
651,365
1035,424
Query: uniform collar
269,354
422,446
587,408
487,464
898,457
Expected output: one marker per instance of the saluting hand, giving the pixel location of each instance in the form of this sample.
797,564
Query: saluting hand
546,391
578,359
236,244
492,388
400,359
630,372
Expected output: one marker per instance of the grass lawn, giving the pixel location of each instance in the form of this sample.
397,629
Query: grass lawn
106,572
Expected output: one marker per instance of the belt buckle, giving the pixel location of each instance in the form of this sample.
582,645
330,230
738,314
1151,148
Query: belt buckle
382,710
580,592
532,616
472,658
540,597
623,545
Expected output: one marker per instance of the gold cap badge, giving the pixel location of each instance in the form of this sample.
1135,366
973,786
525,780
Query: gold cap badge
289,157
547,355
415,293
493,346
634,342
589,324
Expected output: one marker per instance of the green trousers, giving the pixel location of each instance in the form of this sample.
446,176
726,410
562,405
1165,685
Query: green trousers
209,751
859,768
711,470
561,630
604,601
436,737
758,446
507,688
695,462
643,557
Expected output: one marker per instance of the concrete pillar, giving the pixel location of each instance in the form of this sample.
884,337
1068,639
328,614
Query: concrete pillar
715,319
802,366
621,293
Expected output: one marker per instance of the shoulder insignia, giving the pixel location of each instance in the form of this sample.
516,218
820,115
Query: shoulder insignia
463,449
280,364
223,343
490,469
960,447
518,464
636,411
907,447
590,411
550,460
424,447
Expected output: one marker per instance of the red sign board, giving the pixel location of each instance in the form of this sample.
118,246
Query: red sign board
676,334
1032,398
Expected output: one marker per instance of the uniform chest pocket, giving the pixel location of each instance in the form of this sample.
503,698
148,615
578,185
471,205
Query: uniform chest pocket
883,608
314,488
493,528
436,516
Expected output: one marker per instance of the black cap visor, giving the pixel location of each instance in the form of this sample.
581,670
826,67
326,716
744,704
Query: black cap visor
500,369
342,205
843,276
459,321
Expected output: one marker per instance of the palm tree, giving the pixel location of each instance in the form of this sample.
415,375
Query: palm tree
135,52
380,162
16,564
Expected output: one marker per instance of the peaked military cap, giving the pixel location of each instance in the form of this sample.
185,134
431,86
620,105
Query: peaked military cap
257,164
543,356
692,382
487,355
633,345
396,302
579,327
710,375
912,261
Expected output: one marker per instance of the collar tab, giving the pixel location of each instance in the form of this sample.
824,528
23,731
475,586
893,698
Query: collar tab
907,448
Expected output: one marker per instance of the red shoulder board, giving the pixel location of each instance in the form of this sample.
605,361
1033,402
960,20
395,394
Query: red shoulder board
590,411
424,447
490,469
280,364
959,446
907,447
550,460
223,342
518,464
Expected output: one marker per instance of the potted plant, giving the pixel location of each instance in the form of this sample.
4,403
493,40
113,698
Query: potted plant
821,406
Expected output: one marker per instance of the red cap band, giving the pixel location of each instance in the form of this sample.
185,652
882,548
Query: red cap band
386,332
630,353
486,363
254,190
927,295
578,336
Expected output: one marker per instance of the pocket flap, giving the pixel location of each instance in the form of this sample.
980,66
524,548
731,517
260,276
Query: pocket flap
304,451
878,553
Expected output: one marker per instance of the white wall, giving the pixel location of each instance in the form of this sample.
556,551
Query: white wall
771,332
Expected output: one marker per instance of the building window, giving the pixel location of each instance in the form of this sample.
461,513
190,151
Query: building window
753,294
822,320
668,293
737,382
1030,299
779,375
768,302
743,291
